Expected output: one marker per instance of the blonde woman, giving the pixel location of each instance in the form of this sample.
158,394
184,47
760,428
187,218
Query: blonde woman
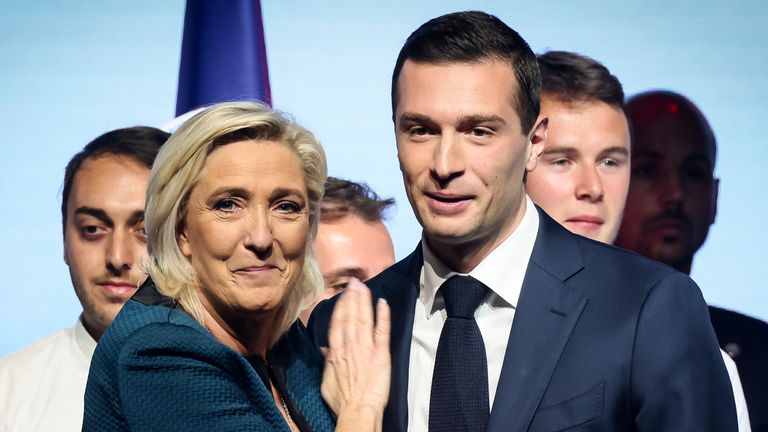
211,340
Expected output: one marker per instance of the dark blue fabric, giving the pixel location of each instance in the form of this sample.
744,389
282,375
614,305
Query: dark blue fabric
745,339
157,369
459,397
223,55
602,340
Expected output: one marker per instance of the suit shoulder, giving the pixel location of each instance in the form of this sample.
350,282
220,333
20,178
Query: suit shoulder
399,271
608,271
625,261
739,334
737,321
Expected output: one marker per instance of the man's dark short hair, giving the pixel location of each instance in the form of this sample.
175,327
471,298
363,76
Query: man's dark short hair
472,37
343,197
140,143
573,78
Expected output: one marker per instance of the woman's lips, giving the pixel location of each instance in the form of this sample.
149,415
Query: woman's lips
256,270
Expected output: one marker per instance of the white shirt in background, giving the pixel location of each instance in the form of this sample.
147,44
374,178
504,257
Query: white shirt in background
43,384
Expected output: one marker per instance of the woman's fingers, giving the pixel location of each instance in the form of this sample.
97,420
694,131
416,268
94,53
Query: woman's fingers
361,318
383,326
357,371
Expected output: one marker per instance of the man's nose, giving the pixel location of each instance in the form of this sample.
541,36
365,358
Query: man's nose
589,186
121,252
448,159
671,192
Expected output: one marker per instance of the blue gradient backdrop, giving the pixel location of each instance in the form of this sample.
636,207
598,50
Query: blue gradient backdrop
73,70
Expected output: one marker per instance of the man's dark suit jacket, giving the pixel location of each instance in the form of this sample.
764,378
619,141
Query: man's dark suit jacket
602,340
745,339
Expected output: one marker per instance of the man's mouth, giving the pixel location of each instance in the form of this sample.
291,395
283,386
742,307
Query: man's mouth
668,226
447,204
586,222
118,288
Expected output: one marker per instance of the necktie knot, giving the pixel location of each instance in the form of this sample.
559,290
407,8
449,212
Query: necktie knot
462,296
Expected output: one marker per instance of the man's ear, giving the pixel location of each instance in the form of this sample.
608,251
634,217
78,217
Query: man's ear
537,138
715,193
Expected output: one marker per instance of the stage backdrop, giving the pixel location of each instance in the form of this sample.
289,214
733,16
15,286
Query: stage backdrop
73,70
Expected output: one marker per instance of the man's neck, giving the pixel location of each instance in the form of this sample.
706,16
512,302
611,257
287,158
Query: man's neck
93,329
465,256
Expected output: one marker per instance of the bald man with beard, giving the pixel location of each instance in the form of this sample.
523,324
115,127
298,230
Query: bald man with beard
672,203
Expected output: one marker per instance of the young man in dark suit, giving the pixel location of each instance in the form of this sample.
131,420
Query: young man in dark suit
502,319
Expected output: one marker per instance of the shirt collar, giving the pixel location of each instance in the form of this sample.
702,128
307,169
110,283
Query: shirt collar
85,342
502,271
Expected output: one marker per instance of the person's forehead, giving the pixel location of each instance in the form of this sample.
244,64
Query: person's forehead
109,179
279,167
585,124
350,225
458,92
105,168
670,125
505,74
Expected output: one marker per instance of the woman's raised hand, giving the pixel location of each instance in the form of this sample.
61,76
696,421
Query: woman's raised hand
357,363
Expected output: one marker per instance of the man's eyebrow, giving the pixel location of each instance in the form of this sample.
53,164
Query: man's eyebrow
559,149
476,119
98,213
699,158
409,117
136,217
346,271
650,154
464,122
615,150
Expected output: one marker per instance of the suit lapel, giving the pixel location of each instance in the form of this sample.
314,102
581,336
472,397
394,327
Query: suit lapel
546,314
400,287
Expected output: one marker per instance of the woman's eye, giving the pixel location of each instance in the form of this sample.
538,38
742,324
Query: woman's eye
288,207
226,205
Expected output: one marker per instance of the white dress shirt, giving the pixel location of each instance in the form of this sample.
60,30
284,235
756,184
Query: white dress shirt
742,414
502,271
42,385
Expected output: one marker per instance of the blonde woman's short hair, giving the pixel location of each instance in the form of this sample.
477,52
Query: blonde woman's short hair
175,173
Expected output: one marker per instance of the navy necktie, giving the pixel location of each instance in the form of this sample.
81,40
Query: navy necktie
459,398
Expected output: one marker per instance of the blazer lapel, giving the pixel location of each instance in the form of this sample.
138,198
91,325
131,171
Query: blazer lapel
546,314
400,286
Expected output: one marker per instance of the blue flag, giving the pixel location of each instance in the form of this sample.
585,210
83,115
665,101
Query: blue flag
223,55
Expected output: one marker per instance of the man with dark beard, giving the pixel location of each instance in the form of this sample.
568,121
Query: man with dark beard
671,204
